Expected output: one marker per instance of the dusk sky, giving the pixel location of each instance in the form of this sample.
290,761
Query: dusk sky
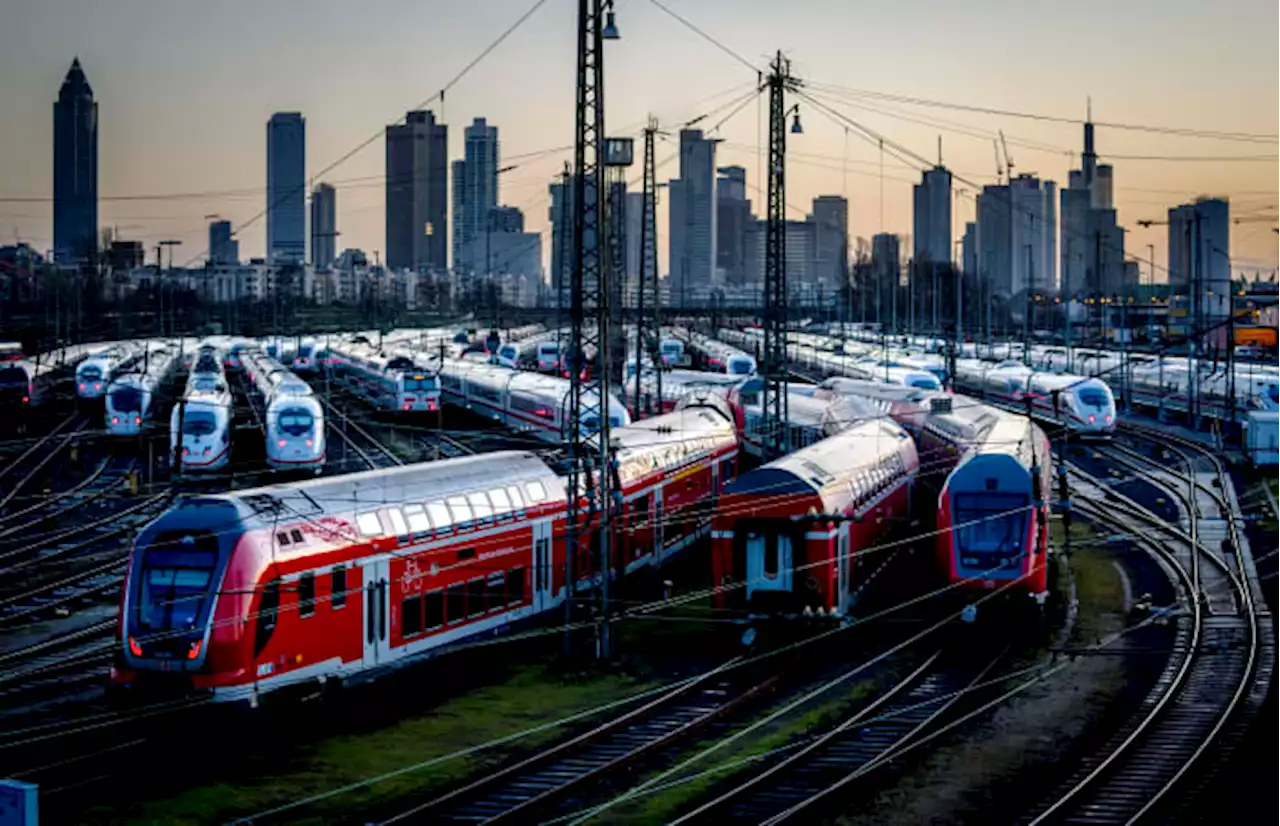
185,90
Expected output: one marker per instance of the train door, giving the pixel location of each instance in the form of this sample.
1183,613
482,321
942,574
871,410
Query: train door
844,600
377,597
543,567
768,561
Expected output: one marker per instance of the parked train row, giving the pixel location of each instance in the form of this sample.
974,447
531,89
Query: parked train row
292,416
200,424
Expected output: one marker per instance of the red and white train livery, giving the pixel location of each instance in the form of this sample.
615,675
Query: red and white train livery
340,578
787,534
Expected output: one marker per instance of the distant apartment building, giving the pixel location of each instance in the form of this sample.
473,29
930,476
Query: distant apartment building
931,217
223,248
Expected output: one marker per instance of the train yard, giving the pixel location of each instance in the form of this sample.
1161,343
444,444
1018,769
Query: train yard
268,534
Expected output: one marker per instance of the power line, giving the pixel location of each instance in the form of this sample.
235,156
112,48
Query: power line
722,47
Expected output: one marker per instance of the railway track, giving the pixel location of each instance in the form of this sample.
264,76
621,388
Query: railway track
1223,649
515,793
24,468
356,439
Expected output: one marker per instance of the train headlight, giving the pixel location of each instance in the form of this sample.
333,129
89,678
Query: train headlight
137,420
280,443
115,420
1107,418
134,648
309,443
186,452
1092,418
194,650
206,451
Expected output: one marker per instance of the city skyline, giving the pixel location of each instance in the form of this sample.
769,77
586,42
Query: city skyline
219,147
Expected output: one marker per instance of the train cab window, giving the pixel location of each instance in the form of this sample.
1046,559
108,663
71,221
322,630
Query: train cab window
368,524
640,509
455,603
537,493
411,616
501,505
460,510
480,506
417,517
517,501
282,539
398,524
432,610
439,514
296,536
338,587
494,588
306,594
515,586
267,609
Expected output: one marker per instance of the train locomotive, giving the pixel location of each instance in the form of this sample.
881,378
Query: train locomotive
292,416
132,396
200,424
787,535
240,594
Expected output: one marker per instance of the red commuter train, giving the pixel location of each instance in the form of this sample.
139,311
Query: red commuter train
787,534
341,578
993,473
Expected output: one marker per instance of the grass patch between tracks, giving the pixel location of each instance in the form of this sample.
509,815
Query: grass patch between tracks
530,697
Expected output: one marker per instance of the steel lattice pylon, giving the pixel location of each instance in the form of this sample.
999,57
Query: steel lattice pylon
590,476
774,356
648,298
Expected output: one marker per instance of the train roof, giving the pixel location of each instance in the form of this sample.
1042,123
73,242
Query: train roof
825,468
425,481
670,440
981,426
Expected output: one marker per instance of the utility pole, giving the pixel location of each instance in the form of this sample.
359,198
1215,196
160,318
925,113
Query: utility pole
648,329
774,398
591,470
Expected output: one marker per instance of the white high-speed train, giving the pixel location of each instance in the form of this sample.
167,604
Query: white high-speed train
292,416
131,398
1083,405
200,425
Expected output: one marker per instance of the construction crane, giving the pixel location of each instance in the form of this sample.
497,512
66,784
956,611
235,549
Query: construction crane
1008,161
999,169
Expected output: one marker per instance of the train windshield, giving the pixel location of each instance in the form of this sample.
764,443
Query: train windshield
990,528
91,373
295,421
126,400
419,383
740,367
925,383
1092,396
175,583
198,423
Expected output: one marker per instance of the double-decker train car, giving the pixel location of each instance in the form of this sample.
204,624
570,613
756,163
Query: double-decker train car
341,579
993,472
804,416
787,535
132,397
907,406
676,384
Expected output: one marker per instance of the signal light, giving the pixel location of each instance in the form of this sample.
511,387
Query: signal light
26,399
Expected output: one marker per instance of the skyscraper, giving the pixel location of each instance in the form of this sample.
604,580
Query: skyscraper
75,169
931,217
477,194
830,217
324,225
417,193
1035,232
561,215
635,220
1092,257
223,249
969,249
993,243
886,263
286,188
692,215
733,220
1199,252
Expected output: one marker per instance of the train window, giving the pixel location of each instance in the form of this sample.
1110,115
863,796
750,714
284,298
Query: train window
338,587
517,501
459,509
369,524
397,523
307,594
537,493
494,587
770,552
417,516
267,609
433,610
480,506
515,586
640,509
455,603
296,536
282,538
501,504
411,616
466,553
475,597
439,515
